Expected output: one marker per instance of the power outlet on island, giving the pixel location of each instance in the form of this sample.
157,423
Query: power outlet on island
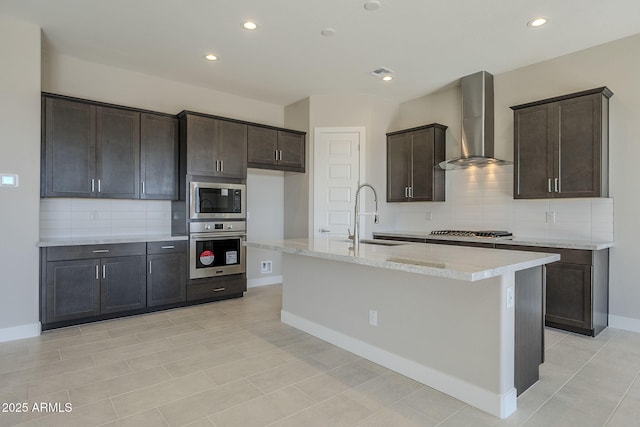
265,267
373,317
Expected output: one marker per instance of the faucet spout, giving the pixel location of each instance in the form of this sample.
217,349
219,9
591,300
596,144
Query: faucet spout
356,214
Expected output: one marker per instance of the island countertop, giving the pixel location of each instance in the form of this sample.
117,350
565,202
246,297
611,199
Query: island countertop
452,262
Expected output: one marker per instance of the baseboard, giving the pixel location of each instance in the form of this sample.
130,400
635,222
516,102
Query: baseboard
498,405
264,281
19,332
626,323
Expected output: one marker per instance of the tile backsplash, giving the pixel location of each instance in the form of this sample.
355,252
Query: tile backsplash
77,218
482,198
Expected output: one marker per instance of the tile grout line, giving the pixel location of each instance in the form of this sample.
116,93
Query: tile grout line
626,392
569,379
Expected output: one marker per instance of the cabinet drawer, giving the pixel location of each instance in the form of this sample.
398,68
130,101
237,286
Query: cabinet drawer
570,256
170,246
59,253
218,288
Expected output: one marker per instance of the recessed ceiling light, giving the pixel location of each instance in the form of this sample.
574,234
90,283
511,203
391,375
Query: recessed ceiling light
383,73
372,5
249,25
537,22
211,57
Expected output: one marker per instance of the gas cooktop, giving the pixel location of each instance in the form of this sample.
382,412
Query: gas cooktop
492,234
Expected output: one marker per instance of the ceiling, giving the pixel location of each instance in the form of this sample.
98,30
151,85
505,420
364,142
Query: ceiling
429,44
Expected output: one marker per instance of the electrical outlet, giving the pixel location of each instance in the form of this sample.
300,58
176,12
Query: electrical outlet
428,216
510,298
373,317
265,267
551,217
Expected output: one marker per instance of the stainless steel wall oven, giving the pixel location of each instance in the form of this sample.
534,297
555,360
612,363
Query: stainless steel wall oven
216,249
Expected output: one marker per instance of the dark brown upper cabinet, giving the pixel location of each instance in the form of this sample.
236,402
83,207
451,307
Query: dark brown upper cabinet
413,171
272,148
561,146
91,149
158,157
213,146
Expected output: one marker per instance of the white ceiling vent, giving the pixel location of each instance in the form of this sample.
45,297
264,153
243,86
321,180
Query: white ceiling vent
381,72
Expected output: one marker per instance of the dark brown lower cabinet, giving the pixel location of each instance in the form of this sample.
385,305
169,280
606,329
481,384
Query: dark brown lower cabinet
577,289
72,289
166,273
124,285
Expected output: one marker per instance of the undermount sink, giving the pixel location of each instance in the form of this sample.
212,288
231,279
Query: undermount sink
379,242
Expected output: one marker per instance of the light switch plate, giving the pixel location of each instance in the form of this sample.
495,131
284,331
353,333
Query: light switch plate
8,180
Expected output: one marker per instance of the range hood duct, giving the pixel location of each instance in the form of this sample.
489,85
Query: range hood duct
477,124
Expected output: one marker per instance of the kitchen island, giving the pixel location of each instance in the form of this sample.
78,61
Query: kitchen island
442,315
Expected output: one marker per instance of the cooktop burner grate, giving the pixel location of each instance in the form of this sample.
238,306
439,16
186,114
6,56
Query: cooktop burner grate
467,233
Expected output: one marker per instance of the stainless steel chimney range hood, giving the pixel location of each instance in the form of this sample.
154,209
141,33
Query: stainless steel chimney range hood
477,124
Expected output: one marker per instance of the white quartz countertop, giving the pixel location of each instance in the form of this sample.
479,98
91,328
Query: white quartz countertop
45,243
592,245
452,262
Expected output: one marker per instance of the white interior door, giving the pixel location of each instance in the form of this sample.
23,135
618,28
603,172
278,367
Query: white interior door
338,155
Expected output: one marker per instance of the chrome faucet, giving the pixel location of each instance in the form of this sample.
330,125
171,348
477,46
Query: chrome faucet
356,215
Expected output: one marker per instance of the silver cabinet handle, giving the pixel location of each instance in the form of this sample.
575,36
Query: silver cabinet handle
411,192
280,155
97,271
217,165
221,165
100,251
99,190
275,155
218,289
142,187
556,185
406,192
149,267
168,247
93,185
549,185
104,271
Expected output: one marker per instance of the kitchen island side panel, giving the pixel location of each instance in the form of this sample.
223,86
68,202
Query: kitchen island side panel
455,336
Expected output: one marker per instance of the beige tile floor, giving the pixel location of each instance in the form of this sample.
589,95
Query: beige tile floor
232,363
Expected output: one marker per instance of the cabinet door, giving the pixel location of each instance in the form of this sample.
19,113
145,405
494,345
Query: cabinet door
422,164
166,278
201,134
398,167
568,300
118,153
73,289
232,149
292,151
123,284
158,157
533,154
262,144
577,154
69,148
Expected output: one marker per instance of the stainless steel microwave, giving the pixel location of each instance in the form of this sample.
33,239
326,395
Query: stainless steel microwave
216,200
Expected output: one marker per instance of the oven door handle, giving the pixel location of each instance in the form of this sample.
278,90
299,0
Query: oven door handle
221,235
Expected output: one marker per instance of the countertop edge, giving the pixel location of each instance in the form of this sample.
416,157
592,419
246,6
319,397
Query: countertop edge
594,245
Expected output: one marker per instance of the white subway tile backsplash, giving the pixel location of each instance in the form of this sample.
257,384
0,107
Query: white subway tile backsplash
65,217
482,198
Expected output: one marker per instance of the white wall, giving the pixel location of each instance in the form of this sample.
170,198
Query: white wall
373,113
265,210
613,65
19,154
